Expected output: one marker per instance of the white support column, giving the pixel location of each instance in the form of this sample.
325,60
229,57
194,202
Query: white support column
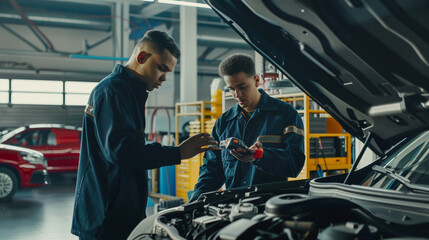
117,31
188,59
121,31
259,63
125,19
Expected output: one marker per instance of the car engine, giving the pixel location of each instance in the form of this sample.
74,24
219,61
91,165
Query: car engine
241,215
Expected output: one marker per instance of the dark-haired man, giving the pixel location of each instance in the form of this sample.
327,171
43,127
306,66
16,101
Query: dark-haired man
260,121
111,189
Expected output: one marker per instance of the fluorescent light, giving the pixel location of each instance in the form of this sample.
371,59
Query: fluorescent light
184,3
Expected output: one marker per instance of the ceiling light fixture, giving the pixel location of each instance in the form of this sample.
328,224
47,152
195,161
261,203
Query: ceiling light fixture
184,3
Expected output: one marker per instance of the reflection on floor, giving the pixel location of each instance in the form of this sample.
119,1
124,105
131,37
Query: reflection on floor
40,213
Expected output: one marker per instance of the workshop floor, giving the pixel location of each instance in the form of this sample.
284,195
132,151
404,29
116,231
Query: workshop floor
41,213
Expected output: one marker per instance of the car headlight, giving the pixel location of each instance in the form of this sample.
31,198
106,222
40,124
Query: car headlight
32,158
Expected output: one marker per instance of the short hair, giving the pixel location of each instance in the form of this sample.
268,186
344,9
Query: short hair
161,41
237,63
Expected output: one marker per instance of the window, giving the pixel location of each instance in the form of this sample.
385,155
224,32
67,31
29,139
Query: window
77,93
4,84
4,97
37,92
51,139
4,90
27,138
44,92
37,98
37,86
36,137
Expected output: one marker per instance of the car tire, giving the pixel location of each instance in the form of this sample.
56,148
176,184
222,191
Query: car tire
8,184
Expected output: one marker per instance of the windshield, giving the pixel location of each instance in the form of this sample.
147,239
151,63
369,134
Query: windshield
11,134
411,162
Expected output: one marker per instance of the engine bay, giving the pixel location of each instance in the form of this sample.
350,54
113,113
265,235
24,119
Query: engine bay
260,215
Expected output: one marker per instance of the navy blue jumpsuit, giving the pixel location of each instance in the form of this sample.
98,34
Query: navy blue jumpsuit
111,189
277,125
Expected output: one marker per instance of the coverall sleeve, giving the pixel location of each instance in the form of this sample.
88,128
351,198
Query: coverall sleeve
122,141
211,177
289,158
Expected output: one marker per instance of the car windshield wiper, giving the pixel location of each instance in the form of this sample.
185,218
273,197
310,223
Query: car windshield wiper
404,181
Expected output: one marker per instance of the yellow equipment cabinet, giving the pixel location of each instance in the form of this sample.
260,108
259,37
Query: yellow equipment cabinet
320,129
187,172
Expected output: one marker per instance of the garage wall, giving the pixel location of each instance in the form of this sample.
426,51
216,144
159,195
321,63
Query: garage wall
21,115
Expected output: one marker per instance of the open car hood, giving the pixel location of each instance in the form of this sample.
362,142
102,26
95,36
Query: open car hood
366,62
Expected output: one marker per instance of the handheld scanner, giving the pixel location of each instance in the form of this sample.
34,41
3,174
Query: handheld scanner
234,143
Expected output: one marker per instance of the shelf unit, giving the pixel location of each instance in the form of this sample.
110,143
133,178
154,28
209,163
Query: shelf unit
310,112
188,171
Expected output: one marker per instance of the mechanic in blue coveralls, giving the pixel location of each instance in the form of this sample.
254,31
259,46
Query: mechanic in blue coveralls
112,189
259,121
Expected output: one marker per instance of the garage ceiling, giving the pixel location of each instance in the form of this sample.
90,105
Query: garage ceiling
46,36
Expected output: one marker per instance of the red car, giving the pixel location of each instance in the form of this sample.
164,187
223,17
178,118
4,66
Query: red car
59,144
20,168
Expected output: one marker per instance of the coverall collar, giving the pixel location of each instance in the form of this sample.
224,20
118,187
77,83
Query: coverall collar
264,105
138,85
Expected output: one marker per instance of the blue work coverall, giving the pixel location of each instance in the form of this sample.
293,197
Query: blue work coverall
277,125
111,188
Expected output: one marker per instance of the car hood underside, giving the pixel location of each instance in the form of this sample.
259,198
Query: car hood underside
365,62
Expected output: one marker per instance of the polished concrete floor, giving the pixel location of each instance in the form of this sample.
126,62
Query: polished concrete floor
40,213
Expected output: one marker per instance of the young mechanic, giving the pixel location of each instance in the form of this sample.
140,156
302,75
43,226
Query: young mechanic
259,121
111,189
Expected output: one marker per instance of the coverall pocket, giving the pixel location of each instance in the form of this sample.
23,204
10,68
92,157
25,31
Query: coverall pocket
226,156
229,163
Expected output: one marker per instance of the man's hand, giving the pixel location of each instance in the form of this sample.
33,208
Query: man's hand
246,155
196,144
